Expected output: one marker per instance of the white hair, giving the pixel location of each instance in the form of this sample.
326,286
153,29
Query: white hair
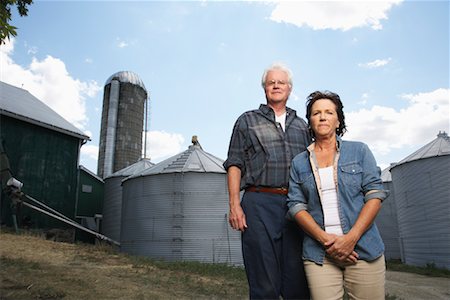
277,66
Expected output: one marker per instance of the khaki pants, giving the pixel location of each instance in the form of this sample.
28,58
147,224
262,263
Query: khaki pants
364,280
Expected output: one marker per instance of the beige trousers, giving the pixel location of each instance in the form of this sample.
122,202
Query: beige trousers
364,280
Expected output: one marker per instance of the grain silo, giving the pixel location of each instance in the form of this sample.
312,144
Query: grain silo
112,202
122,122
387,219
422,193
177,210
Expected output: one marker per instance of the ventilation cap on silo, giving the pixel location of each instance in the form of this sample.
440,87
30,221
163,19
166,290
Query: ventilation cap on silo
126,77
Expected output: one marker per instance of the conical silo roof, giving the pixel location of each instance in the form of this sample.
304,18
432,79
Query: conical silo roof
126,76
136,168
440,146
386,174
194,159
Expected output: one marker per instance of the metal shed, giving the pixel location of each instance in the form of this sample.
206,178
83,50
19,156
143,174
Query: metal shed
112,202
177,210
422,194
89,203
387,219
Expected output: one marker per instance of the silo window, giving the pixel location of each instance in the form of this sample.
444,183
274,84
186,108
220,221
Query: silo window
86,188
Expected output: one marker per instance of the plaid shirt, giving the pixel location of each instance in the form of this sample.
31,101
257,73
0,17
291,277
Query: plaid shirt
262,150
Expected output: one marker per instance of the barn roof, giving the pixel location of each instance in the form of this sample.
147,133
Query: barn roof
19,104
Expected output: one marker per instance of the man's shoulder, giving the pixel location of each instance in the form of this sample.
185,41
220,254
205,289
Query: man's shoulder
252,112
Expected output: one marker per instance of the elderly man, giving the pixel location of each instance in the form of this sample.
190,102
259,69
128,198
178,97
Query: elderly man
262,145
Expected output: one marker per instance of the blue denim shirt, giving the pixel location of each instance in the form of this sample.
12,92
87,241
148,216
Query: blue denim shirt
358,180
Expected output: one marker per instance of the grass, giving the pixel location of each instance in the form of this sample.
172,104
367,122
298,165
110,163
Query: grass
429,270
34,268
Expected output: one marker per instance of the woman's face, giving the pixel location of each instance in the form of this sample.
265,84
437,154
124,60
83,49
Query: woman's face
324,119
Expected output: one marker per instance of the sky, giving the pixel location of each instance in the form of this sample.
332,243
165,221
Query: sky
202,61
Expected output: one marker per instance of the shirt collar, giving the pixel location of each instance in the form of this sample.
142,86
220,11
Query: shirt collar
266,110
338,145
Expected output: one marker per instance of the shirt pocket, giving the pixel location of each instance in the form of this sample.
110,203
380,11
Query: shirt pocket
306,182
352,175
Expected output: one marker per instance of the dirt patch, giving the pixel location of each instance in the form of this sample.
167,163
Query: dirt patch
409,286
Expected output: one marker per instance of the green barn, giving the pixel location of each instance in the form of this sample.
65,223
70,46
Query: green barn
89,204
43,151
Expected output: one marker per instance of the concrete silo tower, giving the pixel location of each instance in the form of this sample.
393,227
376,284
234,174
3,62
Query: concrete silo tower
121,130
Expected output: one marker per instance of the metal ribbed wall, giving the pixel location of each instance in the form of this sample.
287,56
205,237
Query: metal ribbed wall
388,225
179,216
112,207
112,202
422,193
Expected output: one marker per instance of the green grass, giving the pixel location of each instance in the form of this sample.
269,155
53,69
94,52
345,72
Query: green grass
429,270
204,269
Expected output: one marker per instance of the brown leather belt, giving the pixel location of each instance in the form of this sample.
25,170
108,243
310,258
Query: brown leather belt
263,189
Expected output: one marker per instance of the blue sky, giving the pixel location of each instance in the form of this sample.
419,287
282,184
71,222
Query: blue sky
202,62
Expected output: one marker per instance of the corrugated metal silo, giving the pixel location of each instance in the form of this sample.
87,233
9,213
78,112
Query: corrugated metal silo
122,122
177,210
112,203
387,219
422,193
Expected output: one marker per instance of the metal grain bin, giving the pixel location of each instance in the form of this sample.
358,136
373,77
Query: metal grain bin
177,210
387,219
422,193
112,202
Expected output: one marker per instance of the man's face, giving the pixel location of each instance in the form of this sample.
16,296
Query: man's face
277,87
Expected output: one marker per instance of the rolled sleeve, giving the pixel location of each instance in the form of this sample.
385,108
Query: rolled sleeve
295,209
296,201
372,183
236,149
376,194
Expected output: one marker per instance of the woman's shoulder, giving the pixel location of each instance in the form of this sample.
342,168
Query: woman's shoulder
353,144
302,156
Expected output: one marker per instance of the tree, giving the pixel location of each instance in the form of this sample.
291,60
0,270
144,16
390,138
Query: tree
6,29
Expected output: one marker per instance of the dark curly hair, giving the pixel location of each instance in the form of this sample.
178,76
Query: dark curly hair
333,97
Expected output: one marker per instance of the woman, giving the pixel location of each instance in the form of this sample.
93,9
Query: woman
335,193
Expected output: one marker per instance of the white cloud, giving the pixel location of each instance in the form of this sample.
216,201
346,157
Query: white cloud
385,129
121,43
90,152
336,15
376,63
161,144
49,81
364,98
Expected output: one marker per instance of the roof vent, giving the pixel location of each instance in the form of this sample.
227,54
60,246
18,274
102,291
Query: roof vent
195,142
443,135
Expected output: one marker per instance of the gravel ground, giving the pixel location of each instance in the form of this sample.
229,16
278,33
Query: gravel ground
409,286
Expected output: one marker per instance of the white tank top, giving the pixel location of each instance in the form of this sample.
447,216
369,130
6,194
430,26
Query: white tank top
330,202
